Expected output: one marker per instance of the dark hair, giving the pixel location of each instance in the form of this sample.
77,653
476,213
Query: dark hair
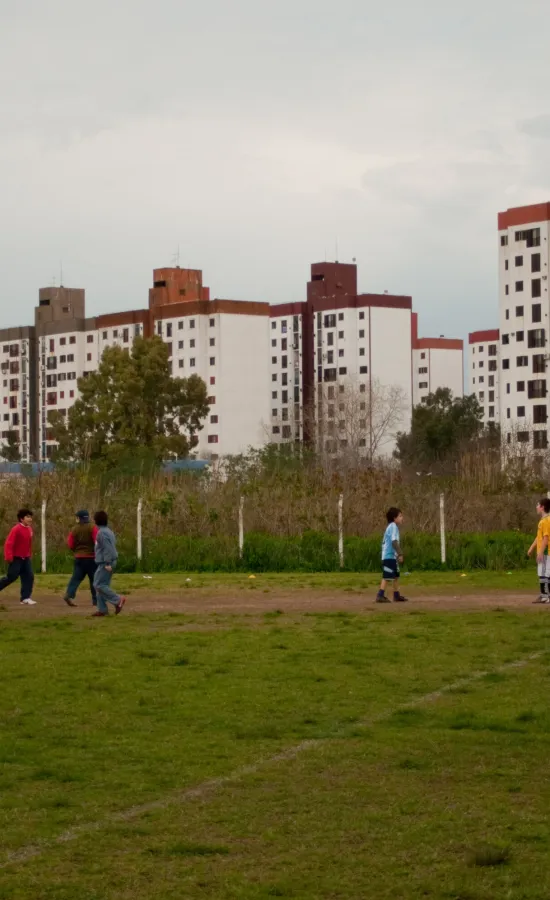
22,513
392,514
545,503
100,518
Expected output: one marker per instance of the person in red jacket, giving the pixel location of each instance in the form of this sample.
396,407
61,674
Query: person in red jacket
81,541
18,553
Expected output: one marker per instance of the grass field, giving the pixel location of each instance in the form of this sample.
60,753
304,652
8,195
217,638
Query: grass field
268,754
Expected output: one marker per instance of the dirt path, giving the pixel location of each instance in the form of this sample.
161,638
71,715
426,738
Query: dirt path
254,602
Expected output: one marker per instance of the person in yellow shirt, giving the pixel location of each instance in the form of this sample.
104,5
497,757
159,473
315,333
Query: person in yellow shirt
541,545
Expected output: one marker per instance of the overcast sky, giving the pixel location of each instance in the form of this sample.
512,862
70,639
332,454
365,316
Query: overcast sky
257,136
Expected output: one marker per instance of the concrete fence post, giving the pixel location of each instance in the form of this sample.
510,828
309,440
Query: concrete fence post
43,536
139,538
341,530
442,528
241,528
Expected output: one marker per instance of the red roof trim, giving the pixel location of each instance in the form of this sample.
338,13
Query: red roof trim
481,337
439,344
288,309
523,215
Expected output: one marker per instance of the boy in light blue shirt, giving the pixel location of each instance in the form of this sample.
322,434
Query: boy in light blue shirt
391,557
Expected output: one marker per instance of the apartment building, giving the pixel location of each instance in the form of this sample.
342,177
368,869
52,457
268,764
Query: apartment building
524,321
484,372
437,362
286,372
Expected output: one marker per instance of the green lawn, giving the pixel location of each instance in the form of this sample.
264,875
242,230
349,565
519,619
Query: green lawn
396,794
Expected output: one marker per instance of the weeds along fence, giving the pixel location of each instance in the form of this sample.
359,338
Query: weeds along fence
297,521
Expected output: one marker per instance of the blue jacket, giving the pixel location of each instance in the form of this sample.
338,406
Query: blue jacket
105,547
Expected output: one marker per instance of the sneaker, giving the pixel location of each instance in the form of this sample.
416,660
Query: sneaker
399,598
99,615
542,598
69,600
381,598
28,602
119,607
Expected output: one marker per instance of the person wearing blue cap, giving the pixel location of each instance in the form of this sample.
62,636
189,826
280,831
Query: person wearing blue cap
81,541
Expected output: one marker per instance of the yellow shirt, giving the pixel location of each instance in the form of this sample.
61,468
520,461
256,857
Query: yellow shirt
543,531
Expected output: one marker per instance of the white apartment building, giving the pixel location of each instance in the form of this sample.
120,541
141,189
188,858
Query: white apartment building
484,372
327,370
524,311
437,362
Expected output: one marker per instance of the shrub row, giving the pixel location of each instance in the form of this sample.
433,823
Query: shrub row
316,552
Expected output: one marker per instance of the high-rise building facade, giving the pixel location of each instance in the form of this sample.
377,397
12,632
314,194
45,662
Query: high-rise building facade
437,362
323,370
484,372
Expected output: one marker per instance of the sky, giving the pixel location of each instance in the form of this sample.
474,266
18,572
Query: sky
250,139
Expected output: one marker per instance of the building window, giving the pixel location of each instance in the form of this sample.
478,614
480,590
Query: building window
88,357
330,339
505,363
180,325
213,420
180,345
519,310
191,323
505,339
287,431
340,335
212,438
492,349
536,287
540,414
522,361
523,437
126,335
539,363
273,360
491,412
362,314
274,342
212,360
192,343
284,362
482,395
329,375
340,353
481,379
507,388
71,394
506,291
273,325
343,371
180,363
536,338
520,386
275,429
520,335
361,351
340,317
518,261
423,370
284,326
491,396
504,240
508,413
212,323
506,265
70,357
362,333
192,362
330,357
213,379
104,335
423,384
535,263
540,440
536,313
62,359
90,339
491,380
212,342
115,332
536,389
519,287
284,344
330,321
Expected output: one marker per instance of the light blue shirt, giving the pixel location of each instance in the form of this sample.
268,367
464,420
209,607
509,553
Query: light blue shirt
391,534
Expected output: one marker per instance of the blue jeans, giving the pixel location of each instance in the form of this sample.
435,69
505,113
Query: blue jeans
104,591
83,566
20,568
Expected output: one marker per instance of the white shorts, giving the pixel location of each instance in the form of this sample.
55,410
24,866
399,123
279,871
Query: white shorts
543,568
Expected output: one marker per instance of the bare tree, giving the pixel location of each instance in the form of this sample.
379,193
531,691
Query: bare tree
360,421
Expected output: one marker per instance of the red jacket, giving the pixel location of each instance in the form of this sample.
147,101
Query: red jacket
18,542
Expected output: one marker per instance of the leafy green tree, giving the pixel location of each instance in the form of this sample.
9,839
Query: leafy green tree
132,405
10,451
441,425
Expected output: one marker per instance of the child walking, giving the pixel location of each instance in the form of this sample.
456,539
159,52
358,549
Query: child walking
391,557
81,541
541,545
106,559
18,553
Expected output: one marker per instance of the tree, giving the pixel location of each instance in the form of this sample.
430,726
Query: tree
132,405
441,425
360,421
10,451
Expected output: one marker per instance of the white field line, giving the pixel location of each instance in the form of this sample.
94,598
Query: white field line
202,790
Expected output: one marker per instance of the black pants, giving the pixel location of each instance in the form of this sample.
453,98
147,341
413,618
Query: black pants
82,567
20,568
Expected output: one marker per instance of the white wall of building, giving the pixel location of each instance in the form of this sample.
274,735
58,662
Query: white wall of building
484,376
524,313
437,367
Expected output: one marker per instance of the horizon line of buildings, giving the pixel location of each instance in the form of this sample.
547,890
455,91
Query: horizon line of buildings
274,372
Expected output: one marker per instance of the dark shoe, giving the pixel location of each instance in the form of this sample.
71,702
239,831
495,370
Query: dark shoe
381,598
69,600
99,615
399,598
119,607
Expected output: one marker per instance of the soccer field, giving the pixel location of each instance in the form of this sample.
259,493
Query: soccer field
282,753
